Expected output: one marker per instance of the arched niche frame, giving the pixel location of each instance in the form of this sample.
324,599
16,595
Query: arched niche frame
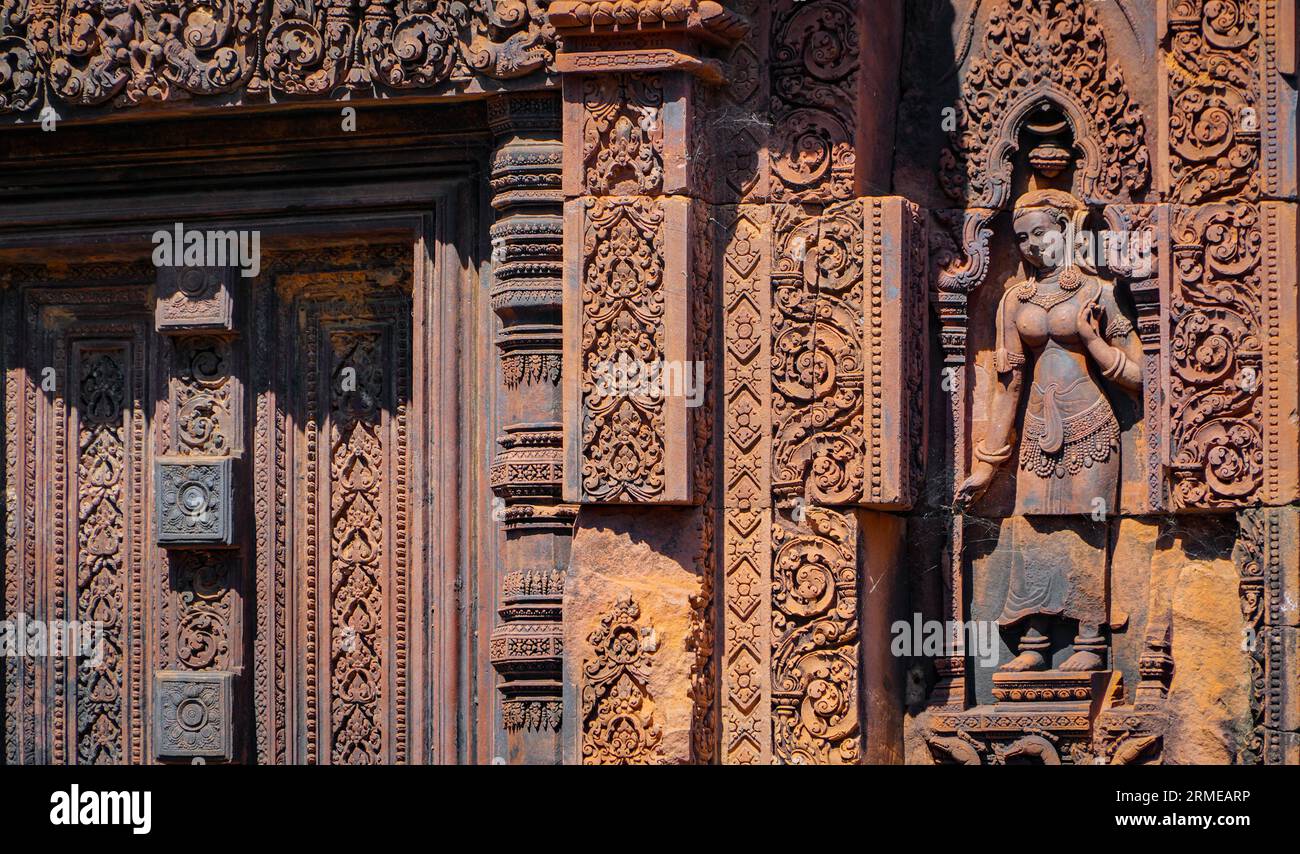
962,257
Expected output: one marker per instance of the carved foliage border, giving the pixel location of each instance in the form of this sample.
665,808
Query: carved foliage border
125,52
622,291
620,725
1223,384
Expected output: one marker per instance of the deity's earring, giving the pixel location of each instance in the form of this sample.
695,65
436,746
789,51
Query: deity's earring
1071,278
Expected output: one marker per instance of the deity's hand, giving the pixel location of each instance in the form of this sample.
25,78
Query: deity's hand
1088,322
974,486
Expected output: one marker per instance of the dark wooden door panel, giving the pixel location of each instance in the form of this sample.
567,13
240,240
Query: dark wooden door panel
301,640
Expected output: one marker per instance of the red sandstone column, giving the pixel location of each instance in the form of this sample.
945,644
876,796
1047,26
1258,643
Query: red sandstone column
526,255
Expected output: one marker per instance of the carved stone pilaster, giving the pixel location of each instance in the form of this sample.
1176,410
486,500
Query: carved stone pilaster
637,183
526,295
640,365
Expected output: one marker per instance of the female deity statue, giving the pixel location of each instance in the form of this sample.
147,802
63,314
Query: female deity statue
1063,327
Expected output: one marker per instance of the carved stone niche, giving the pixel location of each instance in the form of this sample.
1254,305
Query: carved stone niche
194,501
194,298
192,715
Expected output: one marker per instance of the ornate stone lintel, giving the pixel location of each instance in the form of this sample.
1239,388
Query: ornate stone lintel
193,715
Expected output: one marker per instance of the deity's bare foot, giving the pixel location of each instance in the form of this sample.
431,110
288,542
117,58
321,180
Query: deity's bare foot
1082,660
1028,660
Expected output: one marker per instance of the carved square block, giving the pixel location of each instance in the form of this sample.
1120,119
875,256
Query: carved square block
190,298
192,715
637,133
194,501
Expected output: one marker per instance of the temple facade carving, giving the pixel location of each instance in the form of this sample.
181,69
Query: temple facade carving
651,381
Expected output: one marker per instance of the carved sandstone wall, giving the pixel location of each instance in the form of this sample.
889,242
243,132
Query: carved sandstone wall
1099,494
783,357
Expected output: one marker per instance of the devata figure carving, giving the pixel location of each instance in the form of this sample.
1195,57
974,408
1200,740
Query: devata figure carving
1063,326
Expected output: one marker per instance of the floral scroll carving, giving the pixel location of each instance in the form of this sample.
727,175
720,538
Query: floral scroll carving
1034,49
622,135
815,66
203,396
815,669
619,725
1225,406
205,609
126,52
623,307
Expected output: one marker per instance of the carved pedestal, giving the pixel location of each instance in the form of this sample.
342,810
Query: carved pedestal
1045,718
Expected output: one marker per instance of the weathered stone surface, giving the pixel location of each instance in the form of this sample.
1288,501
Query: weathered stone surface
882,542
639,572
1139,591
1209,696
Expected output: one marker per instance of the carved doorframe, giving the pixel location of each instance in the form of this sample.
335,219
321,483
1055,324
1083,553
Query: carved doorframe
440,215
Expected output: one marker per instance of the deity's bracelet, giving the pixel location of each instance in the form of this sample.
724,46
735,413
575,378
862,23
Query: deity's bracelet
994,458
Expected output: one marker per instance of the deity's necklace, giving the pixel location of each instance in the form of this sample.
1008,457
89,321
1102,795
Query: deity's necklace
1069,282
